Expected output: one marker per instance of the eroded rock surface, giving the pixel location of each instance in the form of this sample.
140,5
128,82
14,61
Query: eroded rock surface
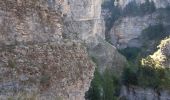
83,21
35,61
55,70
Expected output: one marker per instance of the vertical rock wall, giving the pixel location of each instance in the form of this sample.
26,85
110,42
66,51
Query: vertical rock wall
83,20
35,62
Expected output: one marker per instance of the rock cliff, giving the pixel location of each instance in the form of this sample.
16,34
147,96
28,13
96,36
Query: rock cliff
83,21
36,62
45,71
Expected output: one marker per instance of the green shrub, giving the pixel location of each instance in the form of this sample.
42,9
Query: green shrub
109,21
129,77
110,86
150,75
132,9
147,7
131,53
94,92
103,87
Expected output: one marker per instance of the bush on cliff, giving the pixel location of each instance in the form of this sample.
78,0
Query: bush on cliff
103,87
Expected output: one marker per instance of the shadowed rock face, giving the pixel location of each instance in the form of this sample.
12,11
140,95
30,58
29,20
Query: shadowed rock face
107,57
35,61
127,31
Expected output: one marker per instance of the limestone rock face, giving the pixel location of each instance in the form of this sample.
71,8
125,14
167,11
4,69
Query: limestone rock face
45,71
158,3
36,62
83,21
28,21
80,10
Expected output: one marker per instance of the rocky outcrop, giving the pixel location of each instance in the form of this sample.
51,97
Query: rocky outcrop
158,3
45,71
53,69
36,62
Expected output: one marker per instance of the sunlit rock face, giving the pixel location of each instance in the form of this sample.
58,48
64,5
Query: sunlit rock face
158,3
162,55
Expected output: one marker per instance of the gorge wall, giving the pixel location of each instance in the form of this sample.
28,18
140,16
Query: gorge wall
36,61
